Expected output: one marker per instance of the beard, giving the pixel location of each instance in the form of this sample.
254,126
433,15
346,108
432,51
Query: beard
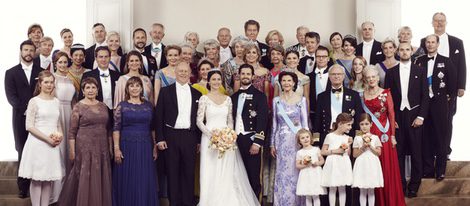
27,58
245,81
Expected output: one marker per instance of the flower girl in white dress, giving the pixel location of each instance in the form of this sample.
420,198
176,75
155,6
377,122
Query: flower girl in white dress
337,171
309,161
367,172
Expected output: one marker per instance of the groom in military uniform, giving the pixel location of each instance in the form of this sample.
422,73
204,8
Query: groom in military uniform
250,112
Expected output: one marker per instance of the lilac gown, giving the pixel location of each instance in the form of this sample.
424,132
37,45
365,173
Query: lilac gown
283,140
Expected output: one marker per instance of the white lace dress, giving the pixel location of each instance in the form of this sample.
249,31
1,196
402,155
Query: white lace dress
223,181
41,161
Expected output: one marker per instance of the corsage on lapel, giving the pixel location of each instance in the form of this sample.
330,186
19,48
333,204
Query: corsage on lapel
379,53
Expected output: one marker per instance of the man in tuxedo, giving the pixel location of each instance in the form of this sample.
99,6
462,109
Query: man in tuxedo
408,85
178,135
334,100
319,81
156,48
44,60
370,48
139,38
105,77
20,82
99,35
451,47
442,84
300,47
307,63
250,112
224,37
251,32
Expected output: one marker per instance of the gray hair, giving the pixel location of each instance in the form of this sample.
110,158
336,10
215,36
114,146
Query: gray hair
189,33
211,43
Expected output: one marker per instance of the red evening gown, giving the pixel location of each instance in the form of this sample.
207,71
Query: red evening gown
392,192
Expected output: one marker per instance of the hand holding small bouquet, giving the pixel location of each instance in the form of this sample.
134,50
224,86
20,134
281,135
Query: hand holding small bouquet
344,146
56,137
223,140
367,138
306,160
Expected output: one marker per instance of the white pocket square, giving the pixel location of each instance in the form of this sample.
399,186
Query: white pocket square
379,52
457,51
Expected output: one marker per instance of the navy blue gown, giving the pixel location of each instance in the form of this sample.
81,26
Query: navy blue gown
134,180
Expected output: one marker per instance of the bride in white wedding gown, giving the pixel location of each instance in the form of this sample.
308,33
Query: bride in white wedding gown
223,181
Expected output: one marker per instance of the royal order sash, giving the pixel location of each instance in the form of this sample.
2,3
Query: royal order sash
384,137
284,116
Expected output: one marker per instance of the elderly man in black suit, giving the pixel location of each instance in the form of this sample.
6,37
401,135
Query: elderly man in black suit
251,120
408,85
178,135
139,38
442,83
156,48
370,48
451,47
334,100
20,82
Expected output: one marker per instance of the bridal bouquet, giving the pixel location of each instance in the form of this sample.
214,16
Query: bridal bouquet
307,159
223,140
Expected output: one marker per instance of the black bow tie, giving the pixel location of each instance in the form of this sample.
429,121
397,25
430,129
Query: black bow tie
336,90
311,58
430,58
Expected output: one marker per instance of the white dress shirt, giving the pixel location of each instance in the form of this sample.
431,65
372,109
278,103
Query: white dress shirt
444,48
183,96
157,55
102,44
105,79
323,77
27,71
309,64
334,112
367,50
46,62
405,70
430,71
302,51
225,54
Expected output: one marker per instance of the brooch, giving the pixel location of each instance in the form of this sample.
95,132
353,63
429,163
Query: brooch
440,75
442,85
253,113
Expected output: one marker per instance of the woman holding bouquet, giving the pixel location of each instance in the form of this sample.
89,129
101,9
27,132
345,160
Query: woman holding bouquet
41,155
223,177
289,115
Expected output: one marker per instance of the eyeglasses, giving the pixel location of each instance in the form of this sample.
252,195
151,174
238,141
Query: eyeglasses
321,57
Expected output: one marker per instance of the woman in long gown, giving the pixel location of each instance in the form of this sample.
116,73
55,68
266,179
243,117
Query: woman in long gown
134,175
380,104
41,155
89,180
223,180
289,115
64,92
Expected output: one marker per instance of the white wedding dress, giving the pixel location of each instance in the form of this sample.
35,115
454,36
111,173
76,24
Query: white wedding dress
223,181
